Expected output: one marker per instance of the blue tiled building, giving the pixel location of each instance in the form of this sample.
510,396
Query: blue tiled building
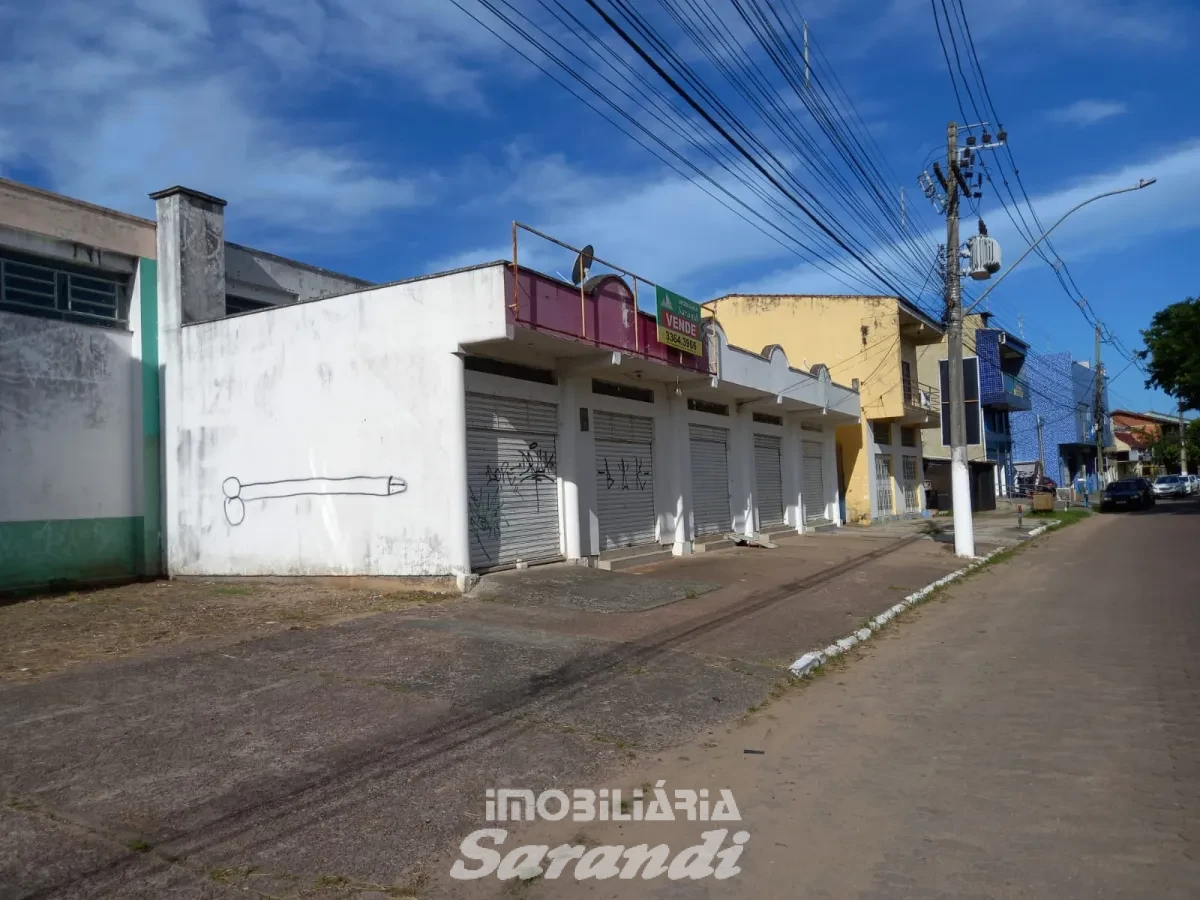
995,389
1064,397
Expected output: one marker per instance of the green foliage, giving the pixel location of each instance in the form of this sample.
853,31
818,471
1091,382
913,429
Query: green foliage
1165,450
1172,351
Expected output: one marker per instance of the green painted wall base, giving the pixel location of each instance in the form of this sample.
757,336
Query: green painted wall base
65,552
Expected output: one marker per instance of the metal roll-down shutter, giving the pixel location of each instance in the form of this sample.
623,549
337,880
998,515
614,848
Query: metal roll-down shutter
512,480
768,479
624,479
710,478
814,483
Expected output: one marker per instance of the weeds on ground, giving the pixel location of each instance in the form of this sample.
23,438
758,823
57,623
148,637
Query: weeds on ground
1064,516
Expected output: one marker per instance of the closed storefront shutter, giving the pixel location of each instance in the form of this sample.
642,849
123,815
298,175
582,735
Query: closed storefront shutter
883,484
814,483
624,479
512,480
912,485
768,479
710,478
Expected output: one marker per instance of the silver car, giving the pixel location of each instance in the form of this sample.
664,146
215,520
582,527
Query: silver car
1193,483
1170,486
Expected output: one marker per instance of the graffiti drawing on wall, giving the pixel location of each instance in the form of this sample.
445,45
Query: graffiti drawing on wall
237,492
534,466
520,477
626,474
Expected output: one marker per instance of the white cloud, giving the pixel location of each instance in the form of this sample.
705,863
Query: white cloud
1130,23
1106,226
1087,112
115,98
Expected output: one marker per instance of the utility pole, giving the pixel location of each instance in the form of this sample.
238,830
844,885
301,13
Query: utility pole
960,473
1183,469
1040,468
1099,378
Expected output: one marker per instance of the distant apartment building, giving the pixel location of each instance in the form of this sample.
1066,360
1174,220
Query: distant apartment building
1064,397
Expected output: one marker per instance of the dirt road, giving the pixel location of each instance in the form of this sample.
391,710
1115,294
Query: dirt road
1034,732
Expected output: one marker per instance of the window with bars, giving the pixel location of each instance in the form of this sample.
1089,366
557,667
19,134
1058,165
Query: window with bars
882,432
38,286
908,436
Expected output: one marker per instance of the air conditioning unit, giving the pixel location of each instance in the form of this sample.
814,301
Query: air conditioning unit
985,257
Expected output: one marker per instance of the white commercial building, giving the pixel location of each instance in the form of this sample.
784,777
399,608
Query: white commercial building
312,424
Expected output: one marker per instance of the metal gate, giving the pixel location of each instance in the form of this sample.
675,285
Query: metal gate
710,478
814,483
883,484
624,479
768,479
512,480
912,485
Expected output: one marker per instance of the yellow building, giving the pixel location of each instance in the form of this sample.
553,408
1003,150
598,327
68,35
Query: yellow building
870,342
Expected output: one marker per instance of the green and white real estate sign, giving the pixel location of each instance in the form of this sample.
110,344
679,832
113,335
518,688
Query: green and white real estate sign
678,322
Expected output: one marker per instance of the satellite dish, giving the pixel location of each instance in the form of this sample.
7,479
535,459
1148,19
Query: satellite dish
583,262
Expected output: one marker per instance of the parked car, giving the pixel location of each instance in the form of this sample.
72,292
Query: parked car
1127,493
1193,484
1170,486
1027,485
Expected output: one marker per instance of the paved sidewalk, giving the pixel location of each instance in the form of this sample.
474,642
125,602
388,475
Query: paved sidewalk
1031,733
349,760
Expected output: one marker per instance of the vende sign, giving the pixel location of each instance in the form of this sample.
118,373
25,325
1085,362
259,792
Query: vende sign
678,322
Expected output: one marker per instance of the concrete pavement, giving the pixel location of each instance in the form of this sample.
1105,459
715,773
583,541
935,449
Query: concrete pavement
1030,733
349,760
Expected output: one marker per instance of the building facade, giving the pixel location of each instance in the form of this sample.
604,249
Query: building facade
1064,398
1134,435
995,388
869,341
82,459
79,414
464,421
182,405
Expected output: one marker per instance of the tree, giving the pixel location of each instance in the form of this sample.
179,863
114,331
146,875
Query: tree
1165,450
1172,351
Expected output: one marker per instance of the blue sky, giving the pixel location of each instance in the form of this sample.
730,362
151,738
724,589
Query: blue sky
387,138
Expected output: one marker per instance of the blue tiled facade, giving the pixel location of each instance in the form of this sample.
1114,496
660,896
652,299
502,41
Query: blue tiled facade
991,382
1063,394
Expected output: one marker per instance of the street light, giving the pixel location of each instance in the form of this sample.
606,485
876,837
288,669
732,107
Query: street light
964,532
1143,183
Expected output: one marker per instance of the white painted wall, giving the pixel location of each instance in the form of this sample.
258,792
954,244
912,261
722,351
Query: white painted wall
359,385
70,419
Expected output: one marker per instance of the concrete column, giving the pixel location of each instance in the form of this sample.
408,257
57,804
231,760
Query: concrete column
792,465
585,455
741,471
458,550
572,470
832,494
679,517
191,288
195,229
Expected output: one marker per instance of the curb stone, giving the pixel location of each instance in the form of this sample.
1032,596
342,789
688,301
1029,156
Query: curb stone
814,659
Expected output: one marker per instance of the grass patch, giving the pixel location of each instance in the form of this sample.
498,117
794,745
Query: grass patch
230,874
137,845
232,590
1065,516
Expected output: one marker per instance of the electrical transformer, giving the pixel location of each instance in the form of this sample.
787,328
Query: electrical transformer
985,257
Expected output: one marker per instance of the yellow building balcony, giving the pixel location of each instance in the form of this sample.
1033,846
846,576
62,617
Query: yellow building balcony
922,404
